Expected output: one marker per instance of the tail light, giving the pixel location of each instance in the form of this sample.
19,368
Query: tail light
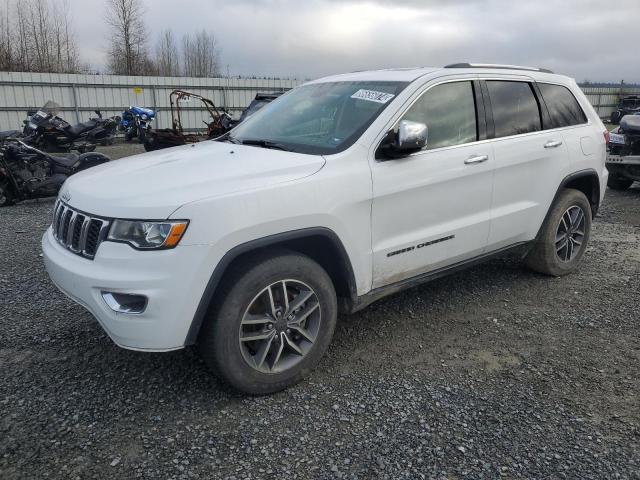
606,136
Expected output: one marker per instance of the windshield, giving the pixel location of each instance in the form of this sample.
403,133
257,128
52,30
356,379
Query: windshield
321,118
51,107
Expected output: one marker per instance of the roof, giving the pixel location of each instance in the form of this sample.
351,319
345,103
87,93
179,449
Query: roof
389,75
411,74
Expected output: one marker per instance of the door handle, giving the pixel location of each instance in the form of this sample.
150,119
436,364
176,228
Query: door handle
552,144
476,159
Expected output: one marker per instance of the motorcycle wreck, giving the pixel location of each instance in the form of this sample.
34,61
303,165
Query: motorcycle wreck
623,158
136,122
48,131
220,122
27,173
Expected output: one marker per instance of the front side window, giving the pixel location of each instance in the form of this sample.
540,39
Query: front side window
449,112
515,108
319,118
563,107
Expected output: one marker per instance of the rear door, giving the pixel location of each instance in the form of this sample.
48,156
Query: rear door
583,141
528,160
432,208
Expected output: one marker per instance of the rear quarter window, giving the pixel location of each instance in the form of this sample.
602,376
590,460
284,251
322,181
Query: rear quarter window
563,107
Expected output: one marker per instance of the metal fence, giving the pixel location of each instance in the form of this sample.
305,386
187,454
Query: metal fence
80,95
605,99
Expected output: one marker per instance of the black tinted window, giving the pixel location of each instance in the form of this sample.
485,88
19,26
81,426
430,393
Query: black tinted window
562,105
515,108
449,112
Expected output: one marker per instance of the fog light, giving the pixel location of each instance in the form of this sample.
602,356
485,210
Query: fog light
124,302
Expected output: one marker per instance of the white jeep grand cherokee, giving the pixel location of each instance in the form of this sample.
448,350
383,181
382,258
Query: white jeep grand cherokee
341,191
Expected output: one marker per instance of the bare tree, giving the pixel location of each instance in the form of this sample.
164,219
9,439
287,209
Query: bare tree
36,35
6,41
200,55
128,52
66,51
167,56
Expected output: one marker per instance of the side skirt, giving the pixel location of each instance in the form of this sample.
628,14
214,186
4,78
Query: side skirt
521,248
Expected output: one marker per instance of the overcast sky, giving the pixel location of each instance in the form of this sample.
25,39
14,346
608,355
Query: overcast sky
588,40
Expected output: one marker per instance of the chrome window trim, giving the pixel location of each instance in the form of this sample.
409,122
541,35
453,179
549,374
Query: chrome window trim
507,77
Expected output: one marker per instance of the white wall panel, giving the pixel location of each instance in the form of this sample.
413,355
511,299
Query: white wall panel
21,91
111,94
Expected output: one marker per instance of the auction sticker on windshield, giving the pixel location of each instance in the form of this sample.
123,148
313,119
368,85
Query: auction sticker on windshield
373,96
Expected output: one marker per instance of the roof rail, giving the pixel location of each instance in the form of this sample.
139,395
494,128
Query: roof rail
491,65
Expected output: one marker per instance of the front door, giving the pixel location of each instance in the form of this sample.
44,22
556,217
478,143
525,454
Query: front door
433,208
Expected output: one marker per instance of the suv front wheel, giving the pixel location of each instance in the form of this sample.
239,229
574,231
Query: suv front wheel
559,248
271,323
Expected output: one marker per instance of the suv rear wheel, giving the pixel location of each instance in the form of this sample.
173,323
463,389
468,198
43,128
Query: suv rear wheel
272,323
564,237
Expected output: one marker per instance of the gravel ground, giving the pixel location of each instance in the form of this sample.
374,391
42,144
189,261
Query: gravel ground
121,149
495,372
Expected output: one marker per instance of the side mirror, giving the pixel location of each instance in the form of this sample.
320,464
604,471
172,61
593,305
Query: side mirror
99,113
410,137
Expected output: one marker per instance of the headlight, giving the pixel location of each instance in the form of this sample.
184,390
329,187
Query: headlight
148,235
143,116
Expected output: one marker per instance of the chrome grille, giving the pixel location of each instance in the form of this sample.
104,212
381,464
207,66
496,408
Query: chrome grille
76,231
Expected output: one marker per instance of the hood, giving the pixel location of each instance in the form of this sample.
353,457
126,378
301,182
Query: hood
154,184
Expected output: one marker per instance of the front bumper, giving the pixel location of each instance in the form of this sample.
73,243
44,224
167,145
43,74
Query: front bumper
172,280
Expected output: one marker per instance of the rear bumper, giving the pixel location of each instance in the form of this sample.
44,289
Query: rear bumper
172,280
623,159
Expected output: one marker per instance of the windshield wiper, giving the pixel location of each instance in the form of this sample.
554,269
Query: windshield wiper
230,139
266,144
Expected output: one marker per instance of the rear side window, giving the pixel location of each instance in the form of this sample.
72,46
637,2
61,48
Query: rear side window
563,107
515,108
449,111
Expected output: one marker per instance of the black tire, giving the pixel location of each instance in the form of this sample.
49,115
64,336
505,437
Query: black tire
141,135
544,257
616,182
150,144
615,117
219,341
89,160
6,196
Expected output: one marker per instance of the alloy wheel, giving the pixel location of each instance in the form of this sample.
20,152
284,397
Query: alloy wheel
570,233
280,326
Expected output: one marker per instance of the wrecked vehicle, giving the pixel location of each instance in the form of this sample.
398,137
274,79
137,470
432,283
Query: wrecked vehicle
260,100
628,106
623,157
27,173
47,130
157,139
